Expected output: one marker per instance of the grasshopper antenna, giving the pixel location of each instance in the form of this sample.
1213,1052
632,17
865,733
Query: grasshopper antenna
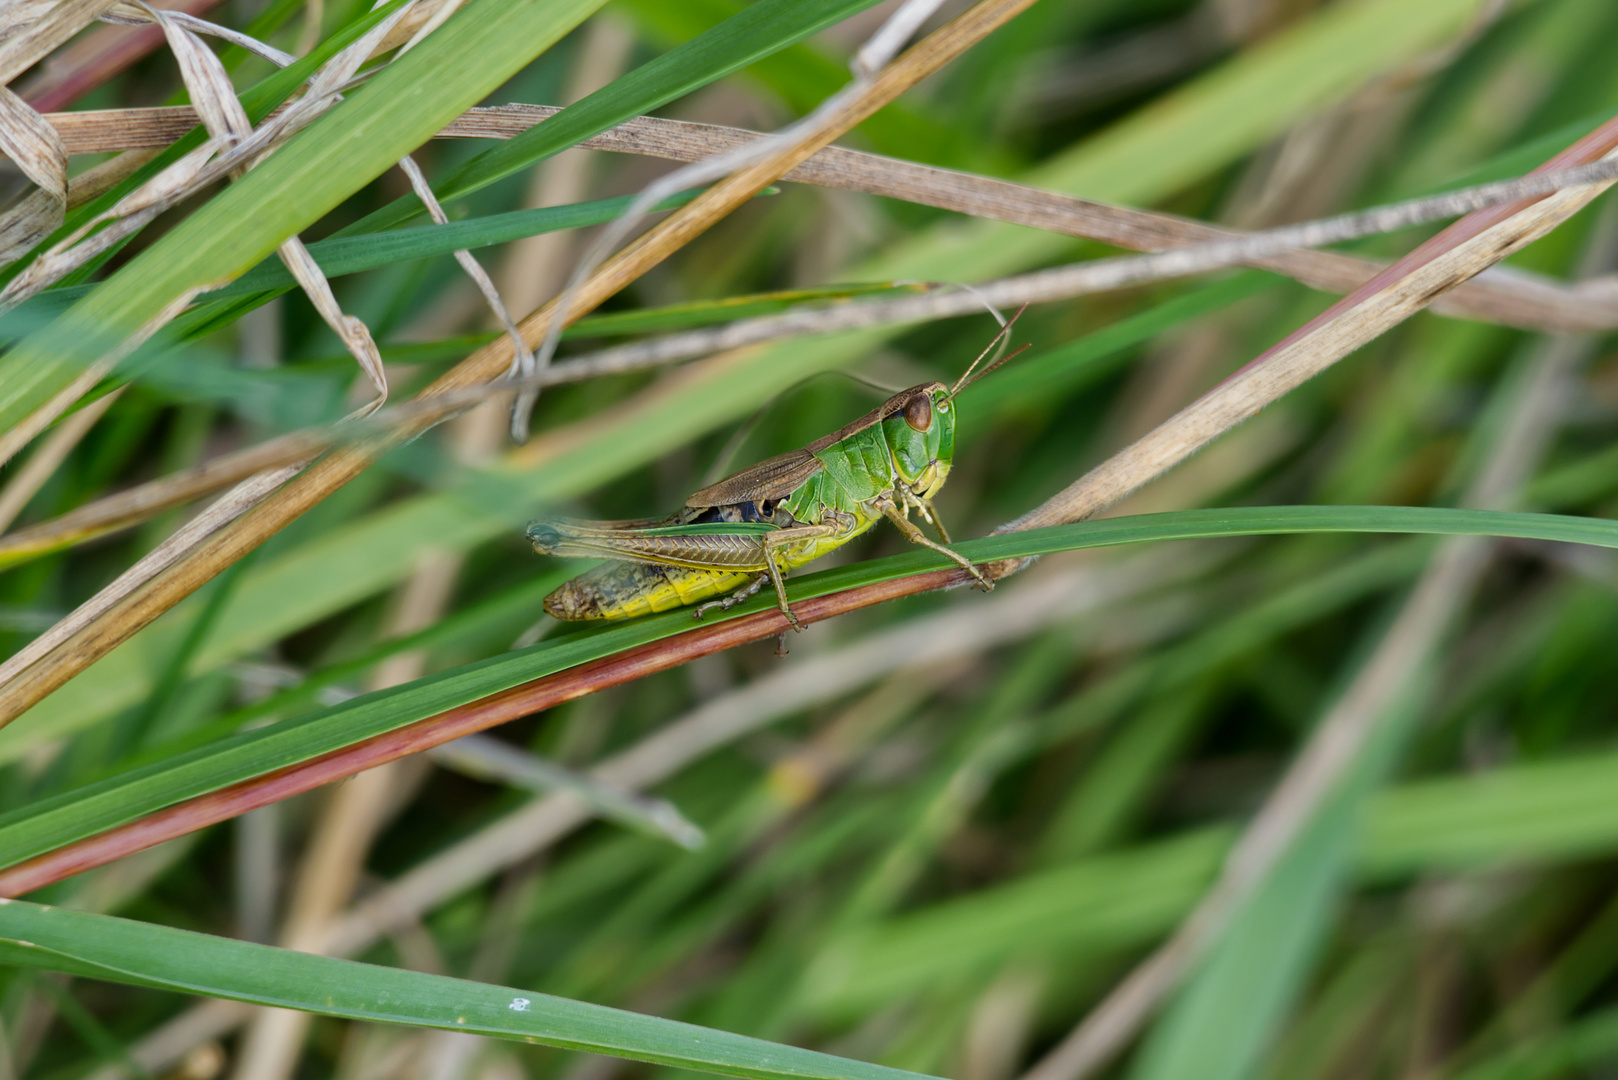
998,346
1000,363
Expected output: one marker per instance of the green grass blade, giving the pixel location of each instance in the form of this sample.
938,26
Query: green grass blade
1523,816
86,811
466,59
1222,1020
757,31
355,254
141,954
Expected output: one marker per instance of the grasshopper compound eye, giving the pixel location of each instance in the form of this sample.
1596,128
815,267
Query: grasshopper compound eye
543,537
919,412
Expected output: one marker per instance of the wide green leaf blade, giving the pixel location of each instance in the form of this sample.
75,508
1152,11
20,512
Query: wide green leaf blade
141,954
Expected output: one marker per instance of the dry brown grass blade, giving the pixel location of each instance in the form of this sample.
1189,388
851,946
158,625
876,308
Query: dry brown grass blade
33,146
220,550
91,61
1463,250
1512,299
425,17
38,26
32,30
43,463
131,507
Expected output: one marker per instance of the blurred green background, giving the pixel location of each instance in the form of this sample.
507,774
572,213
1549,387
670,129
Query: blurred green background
942,830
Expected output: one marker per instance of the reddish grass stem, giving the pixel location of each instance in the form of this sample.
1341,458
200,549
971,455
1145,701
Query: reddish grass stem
518,701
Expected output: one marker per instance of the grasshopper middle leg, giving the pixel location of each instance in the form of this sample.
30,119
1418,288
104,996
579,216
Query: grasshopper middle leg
930,512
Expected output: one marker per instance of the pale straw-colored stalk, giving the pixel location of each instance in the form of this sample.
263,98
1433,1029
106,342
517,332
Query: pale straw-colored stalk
1501,295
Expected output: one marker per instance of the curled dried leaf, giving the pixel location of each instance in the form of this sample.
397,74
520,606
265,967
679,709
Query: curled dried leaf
33,145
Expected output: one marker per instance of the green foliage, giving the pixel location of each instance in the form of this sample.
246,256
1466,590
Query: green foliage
97,946
969,815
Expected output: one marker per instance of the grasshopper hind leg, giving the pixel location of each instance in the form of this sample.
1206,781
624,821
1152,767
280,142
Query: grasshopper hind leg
725,603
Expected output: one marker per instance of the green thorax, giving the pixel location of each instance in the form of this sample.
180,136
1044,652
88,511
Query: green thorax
873,460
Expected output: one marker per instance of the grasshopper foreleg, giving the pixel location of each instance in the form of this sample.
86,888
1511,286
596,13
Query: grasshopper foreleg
930,512
916,536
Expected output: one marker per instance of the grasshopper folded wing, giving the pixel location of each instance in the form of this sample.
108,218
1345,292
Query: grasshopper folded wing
770,480
720,546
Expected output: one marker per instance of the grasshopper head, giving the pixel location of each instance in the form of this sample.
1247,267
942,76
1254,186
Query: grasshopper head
921,434
544,537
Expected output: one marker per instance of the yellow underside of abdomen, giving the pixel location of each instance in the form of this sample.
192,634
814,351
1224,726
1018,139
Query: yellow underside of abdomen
623,590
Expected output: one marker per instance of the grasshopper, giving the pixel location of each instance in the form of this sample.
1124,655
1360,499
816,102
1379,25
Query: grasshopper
751,528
